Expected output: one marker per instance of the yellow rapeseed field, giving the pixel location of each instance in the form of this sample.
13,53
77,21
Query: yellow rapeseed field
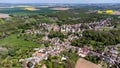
30,8
109,11
105,11
99,11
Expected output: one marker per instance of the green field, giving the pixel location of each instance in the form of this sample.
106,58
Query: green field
21,11
17,49
13,40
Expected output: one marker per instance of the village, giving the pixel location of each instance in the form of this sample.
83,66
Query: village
110,53
59,34
75,28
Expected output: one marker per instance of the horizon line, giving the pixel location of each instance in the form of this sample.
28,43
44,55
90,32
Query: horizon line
60,3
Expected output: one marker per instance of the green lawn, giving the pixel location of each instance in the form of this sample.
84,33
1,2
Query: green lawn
13,40
107,29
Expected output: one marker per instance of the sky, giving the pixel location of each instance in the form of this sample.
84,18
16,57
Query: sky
59,1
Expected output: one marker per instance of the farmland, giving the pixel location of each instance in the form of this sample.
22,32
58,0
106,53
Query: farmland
24,11
60,8
4,15
82,63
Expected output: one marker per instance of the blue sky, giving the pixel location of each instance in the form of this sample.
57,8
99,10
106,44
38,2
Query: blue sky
59,1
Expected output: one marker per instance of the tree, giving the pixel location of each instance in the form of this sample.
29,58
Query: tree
30,64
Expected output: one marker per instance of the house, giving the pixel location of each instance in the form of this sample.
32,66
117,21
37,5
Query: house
83,52
45,38
25,64
55,27
44,66
63,58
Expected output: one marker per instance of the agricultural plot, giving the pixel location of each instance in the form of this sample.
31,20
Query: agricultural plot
81,63
25,11
60,8
4,15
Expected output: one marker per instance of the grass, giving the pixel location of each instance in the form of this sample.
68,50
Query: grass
107,29
21,49
118,46
118,49
13,40
118,26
